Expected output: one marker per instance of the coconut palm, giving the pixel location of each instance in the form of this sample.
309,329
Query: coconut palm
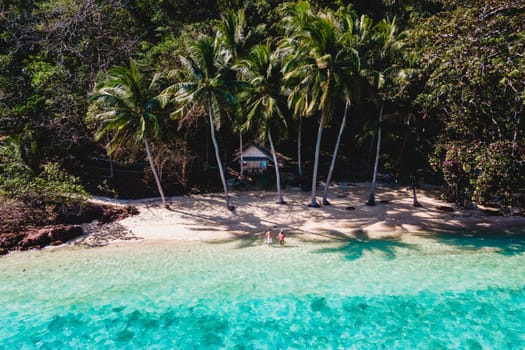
353,34
321,69
237,37
299,15
265,105
380,69
131,111
334,155
206,85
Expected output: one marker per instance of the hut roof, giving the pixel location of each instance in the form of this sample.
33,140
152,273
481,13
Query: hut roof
253,151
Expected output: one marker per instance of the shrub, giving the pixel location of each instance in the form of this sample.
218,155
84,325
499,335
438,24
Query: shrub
52,186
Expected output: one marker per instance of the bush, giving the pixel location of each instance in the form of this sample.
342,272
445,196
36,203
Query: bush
52,186
481,173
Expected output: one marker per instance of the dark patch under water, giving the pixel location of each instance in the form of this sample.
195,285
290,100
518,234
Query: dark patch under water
476,319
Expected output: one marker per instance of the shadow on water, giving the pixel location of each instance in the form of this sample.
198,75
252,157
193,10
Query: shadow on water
353,248
508,243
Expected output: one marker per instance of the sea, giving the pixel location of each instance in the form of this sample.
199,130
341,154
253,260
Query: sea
437,291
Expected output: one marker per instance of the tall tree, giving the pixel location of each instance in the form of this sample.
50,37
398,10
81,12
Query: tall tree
237,37
320,67
206,84
352,32
299,103
132,107
265,104
382,71
473,83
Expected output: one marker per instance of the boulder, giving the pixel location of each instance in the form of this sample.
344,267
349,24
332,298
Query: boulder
10,240
45,235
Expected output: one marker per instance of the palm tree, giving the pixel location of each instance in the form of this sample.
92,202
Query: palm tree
352,35
385,48
236,35
334,155
321,68
206,86
371,199
300,14
238,38
131,111
262,71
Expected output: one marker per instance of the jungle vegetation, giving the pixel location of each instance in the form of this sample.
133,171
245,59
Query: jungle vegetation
154,95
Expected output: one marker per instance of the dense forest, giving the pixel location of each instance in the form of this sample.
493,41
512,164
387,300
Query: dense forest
140,97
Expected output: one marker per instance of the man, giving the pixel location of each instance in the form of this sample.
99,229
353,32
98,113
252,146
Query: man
268,237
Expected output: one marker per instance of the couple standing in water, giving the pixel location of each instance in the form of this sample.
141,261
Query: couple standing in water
269,240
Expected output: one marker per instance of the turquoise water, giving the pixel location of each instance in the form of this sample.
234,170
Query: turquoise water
454,291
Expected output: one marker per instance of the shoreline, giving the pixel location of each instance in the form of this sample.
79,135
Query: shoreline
201,218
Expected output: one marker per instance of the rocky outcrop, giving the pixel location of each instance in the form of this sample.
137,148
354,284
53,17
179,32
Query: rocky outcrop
46,235
23,227
10,240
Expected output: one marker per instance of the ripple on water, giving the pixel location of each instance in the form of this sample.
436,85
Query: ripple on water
220,296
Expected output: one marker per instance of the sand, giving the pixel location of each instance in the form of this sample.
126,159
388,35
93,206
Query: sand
205,217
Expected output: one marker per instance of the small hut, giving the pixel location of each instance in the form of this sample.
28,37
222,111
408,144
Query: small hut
255,158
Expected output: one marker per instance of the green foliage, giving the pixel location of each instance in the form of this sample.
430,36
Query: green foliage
52,186
265,106
473,74
482,174
455,83
500,173
131,107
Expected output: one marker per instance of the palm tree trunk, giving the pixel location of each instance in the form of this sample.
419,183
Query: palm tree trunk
110,157
415,202
276,164
299,162
334,155
517,117
217,155
111,170
370,150
313,201
371,199
155,174
207,159
241,172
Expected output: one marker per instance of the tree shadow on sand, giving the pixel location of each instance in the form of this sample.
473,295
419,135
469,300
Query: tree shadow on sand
506,243
101,235
355,247
393,216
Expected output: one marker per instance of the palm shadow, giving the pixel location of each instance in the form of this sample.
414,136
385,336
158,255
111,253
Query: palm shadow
354,248
508,243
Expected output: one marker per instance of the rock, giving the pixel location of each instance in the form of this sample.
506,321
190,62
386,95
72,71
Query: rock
445,209
111,214
350,208
43,236
3,251
11,239
58,242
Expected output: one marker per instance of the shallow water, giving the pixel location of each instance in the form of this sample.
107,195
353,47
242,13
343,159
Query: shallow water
454,291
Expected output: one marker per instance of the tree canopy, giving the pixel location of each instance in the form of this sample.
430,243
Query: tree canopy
453,94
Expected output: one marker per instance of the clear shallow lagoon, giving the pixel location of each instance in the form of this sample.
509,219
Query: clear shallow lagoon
453,292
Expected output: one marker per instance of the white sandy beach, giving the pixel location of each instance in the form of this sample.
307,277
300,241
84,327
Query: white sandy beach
205,217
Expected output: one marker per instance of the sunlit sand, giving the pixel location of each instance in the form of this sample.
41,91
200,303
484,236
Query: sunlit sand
205,217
